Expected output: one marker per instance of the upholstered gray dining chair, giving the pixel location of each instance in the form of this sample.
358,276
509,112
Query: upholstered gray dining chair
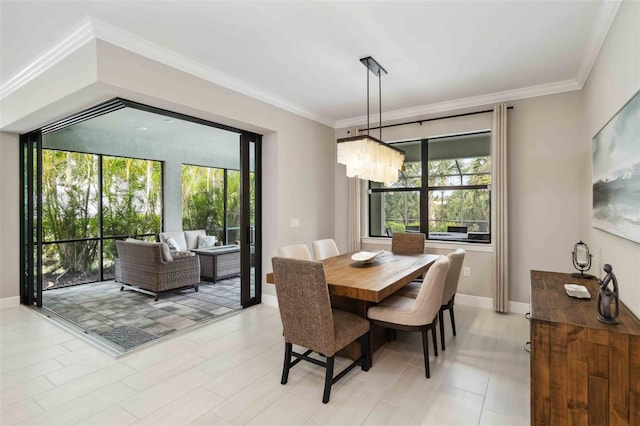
309,321
323,249
456,258
295,251
407,243
419,314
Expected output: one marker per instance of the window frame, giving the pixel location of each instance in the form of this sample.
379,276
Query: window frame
424,189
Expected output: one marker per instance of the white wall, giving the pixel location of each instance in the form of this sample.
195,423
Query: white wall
614,79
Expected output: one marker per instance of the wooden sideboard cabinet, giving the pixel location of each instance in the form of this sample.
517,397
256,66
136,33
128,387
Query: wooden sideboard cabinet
583,372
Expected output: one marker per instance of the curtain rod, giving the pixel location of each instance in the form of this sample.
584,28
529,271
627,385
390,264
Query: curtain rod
429,119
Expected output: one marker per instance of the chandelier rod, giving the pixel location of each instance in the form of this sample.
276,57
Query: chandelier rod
380,102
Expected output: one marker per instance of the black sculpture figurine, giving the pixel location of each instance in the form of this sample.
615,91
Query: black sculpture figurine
606,296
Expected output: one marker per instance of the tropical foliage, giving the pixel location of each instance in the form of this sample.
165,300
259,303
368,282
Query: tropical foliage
447,205
131,205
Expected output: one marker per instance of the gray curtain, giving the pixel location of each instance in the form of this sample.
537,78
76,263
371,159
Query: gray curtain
501,225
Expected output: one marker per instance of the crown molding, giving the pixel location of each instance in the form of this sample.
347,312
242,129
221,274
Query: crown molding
91,29
80,36
141,46
608,12
94,29
471,102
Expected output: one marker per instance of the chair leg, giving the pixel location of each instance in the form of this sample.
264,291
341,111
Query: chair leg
365,350
441,320
288,348
425,350
434,339
328,379
453,320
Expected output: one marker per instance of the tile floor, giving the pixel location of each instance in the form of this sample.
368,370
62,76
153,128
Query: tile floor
228,373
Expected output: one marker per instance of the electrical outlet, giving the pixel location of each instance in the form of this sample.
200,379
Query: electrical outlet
295,223
467,271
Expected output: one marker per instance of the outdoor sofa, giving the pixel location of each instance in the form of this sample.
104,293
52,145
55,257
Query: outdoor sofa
151,268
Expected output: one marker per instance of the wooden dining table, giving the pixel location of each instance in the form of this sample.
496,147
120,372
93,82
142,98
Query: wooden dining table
355,286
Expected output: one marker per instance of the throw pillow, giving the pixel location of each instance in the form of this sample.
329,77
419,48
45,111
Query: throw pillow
166,253
181,254
172,243
206,241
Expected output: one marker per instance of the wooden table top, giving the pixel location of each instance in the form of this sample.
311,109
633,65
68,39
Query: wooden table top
550,302
375,281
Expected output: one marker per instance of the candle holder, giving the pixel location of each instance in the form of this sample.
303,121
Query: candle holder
608,297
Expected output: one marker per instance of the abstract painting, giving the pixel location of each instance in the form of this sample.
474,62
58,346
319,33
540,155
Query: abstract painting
616,173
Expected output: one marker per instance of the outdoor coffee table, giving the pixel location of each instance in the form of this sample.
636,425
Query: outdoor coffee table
219,262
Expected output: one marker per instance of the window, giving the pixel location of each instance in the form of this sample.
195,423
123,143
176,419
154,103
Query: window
89,201
211,201
452,203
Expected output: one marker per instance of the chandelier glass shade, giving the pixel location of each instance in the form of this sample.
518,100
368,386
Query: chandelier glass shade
365,156
369,158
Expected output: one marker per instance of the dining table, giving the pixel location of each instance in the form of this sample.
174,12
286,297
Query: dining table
354,286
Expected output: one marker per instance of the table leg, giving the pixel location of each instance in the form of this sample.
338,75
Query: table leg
358,307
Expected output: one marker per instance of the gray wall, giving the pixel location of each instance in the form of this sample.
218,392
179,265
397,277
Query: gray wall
545,137
614,79
9,218
298,153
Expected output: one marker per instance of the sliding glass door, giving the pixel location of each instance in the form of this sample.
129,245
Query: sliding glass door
31,219
250,246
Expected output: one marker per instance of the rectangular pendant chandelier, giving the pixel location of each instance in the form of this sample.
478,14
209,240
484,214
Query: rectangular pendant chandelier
369,158
365,156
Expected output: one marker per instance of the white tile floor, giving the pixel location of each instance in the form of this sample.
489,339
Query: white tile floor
228,372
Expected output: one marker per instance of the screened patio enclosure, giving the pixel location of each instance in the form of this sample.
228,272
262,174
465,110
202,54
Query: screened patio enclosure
125,170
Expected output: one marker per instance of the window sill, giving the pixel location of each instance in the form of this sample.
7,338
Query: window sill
446,245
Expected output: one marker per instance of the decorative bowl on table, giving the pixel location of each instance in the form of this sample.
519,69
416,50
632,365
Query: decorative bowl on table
365,256
578,291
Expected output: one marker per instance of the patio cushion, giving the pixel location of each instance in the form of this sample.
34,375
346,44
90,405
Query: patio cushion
181,254
178,236
206,241
191,238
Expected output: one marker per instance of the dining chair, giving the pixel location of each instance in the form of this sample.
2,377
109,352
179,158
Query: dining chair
407,243
456,258
419,314
323,249
295,251
450,288
309,321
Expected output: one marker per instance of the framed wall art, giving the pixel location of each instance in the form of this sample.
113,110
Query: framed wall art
616,173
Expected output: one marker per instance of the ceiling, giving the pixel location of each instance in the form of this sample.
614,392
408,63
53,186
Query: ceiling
303,56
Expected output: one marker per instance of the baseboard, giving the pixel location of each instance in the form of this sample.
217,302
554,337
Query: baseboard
478,301
10,302
487,303
518,307
270,300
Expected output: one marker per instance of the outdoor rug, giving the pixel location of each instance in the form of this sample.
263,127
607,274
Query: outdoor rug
127,319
